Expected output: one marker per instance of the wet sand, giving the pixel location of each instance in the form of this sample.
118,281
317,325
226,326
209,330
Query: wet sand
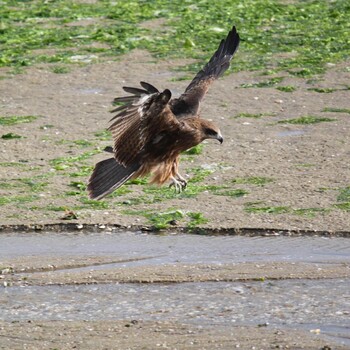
142,291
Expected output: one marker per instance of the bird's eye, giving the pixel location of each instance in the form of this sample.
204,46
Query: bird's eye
209,131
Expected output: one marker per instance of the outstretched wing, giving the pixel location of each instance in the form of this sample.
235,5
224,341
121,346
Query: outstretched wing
188,102
144,114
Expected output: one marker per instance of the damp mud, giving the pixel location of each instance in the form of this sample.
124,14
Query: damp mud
135,290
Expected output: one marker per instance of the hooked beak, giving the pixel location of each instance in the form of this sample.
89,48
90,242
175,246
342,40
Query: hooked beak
220,138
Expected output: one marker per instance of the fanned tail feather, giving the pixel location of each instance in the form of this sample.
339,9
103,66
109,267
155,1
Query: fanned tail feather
107,176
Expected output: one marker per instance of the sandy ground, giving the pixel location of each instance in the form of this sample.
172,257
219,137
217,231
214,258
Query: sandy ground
307,163
149,335
177,273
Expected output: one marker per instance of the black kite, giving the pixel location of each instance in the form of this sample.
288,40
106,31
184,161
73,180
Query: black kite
150,129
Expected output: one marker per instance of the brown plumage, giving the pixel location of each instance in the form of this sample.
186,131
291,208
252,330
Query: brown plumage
150,129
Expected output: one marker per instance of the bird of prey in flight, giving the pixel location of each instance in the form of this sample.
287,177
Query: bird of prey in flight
151,129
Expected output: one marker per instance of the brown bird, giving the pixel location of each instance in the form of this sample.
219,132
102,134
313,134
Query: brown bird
150,129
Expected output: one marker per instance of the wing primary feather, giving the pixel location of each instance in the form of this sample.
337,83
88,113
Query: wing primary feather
220,61
165,96
188,103
128,112
124,99
135,91
119,108
150,88
131,100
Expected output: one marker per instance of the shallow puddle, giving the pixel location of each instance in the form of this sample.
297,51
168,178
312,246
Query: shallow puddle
299,304
165,249
316,305
273,302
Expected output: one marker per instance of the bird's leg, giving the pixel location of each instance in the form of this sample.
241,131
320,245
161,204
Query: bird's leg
177,180
178,184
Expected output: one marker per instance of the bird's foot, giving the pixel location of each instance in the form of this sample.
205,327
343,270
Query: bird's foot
182,180
183,183
179,184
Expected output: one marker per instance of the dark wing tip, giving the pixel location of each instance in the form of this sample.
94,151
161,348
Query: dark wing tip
136,94
135,91
223,54
233,41
220,61
150,88
166,95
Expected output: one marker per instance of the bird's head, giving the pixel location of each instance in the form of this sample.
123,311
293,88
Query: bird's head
210,131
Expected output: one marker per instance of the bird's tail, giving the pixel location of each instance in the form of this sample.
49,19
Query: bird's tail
107,176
